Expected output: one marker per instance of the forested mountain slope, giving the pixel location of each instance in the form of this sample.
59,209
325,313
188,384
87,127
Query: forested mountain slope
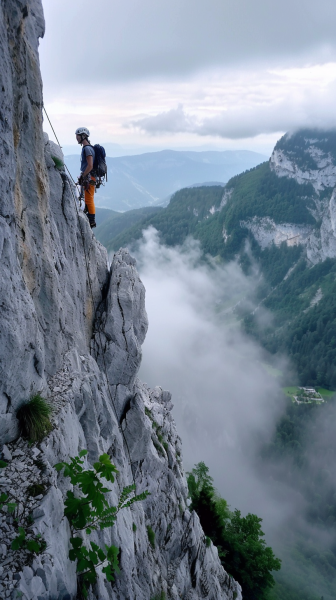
113,224
281,218
187,208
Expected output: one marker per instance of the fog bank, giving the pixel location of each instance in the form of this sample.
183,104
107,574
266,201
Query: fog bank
225,402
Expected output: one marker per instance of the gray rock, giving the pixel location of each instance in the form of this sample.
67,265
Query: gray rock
6,453
318,241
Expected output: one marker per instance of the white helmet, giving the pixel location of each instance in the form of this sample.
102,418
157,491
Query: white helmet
82,131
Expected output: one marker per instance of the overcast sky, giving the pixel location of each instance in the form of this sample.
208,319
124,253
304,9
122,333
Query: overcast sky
216,73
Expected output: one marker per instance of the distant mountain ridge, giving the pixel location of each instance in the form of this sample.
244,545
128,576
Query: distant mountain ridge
281,218
149,179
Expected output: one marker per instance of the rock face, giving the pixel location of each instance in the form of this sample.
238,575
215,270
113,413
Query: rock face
308,157
266,232
71,329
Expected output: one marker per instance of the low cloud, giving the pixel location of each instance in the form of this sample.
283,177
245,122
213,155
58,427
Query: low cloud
227,406
225,403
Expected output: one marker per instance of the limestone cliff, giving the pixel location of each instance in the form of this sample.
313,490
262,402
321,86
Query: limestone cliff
308,157
71,328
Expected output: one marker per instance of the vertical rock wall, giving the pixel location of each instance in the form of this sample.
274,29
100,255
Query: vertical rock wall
44,300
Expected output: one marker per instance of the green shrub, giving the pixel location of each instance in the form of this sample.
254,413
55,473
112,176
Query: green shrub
34,419
151,536
240,540
134,527
3,464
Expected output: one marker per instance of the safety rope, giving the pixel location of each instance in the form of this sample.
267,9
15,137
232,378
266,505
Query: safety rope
92,298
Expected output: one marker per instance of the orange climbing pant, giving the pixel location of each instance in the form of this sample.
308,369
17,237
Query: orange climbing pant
89,191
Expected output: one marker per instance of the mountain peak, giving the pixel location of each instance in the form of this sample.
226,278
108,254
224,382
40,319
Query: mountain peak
307,155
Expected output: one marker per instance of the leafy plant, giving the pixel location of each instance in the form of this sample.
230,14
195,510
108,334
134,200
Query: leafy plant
25,540
3,464
35,545
34,419
87,509
151,536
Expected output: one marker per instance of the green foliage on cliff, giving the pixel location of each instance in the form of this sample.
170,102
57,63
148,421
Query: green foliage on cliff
87,509
26,539
240,540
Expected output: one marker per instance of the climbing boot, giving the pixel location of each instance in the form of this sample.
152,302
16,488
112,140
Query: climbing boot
92,220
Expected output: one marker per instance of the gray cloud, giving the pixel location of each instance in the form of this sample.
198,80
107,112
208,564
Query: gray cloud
175,120
247,120
134,40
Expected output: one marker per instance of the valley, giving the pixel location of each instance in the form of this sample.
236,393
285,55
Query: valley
276,223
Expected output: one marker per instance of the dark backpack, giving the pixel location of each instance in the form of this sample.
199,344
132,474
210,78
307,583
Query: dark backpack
99,164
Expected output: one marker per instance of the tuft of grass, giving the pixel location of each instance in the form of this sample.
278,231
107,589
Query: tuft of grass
134,527
34,419
3,464
58,163
151,536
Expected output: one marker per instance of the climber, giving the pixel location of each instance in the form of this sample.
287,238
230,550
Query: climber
87,177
